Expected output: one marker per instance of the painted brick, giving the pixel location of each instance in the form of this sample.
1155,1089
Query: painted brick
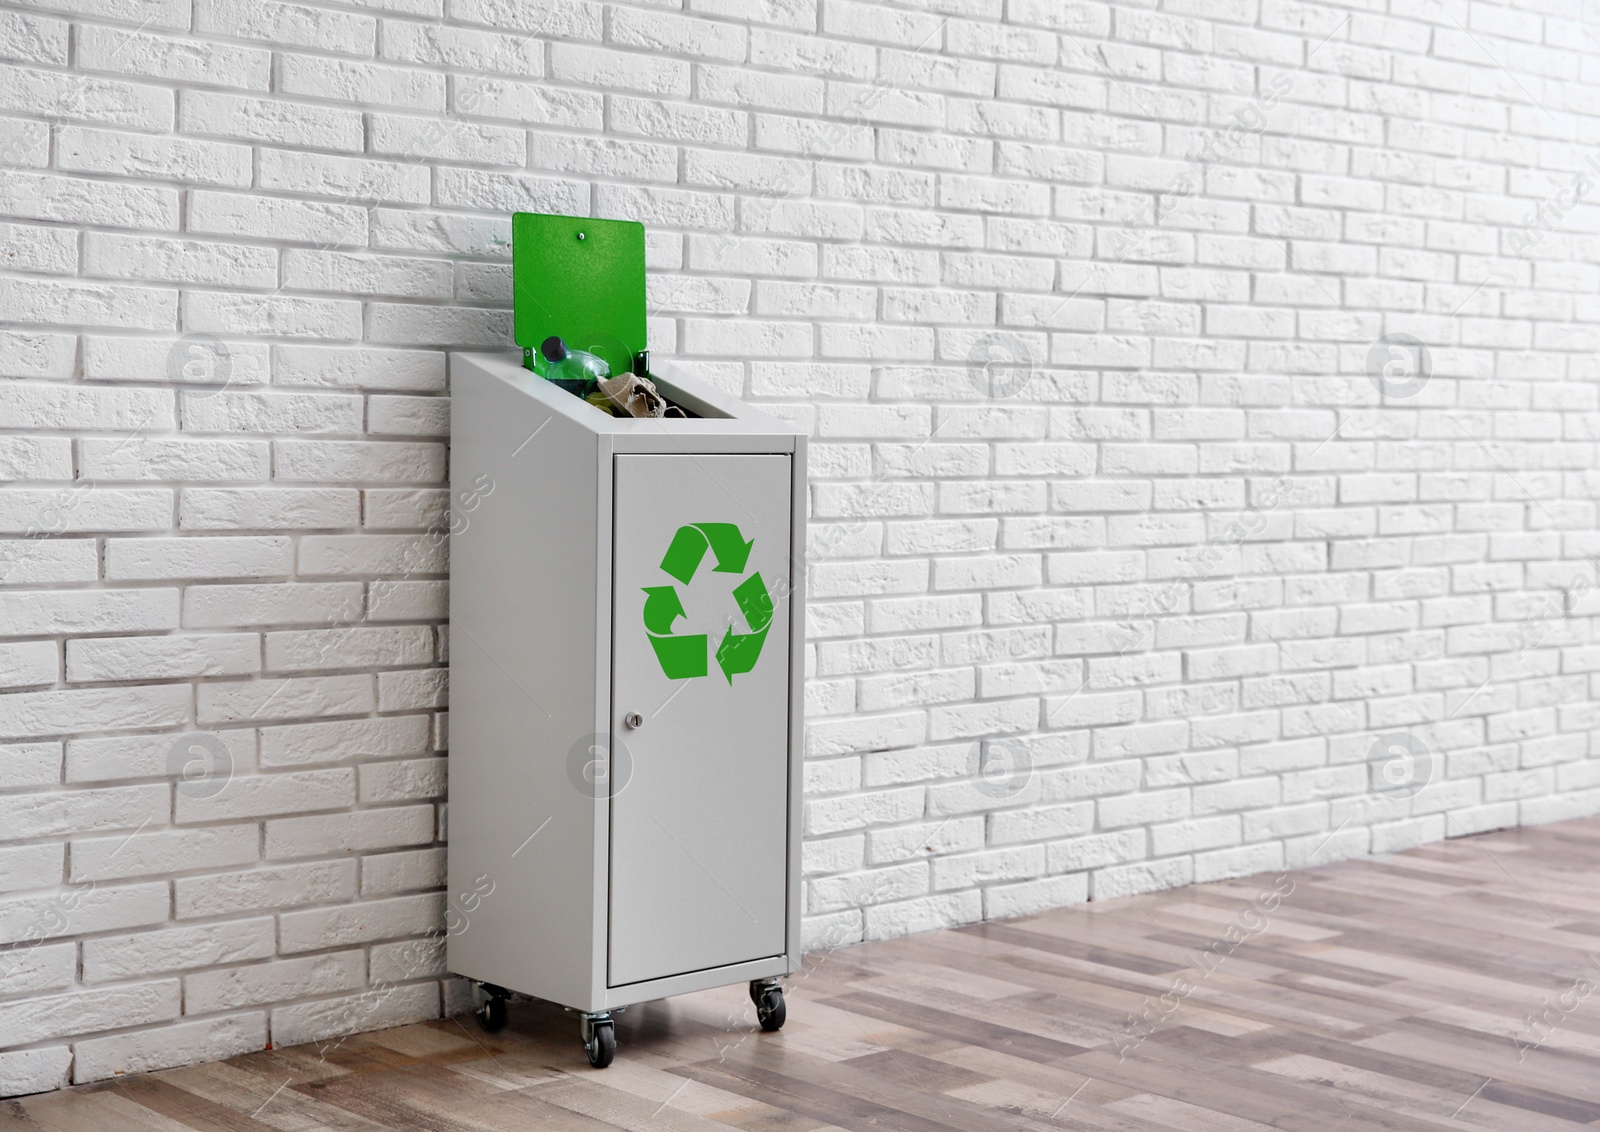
65,95
264,889
324,223
161,852
177,58
82,910
376,369
255,796
386,874
77,201
298,25
459,48
199,558
268,508
55,712
174,949
85,1012
33,39
109,357
208,607
36,1070
207,1039
402,780
180,261
106,151
316,928
388,828
302,744
31,247
113,758
28,664
297,697
45,967
345,80
158,658
273,121
372,1010
234,987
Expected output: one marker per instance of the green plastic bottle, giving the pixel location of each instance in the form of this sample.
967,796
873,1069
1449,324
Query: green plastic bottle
576,371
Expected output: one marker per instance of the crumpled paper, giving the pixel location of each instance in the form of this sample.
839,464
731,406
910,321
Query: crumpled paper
633,396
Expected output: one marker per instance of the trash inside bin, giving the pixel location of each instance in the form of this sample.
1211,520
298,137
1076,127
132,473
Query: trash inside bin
576,371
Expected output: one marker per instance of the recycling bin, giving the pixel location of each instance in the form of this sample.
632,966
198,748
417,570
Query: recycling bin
626,631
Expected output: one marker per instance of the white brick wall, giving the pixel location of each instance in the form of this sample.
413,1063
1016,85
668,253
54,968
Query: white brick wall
1123,568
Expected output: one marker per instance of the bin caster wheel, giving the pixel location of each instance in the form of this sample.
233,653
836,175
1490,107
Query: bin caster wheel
600,1041
768,997
491,1006
492,1014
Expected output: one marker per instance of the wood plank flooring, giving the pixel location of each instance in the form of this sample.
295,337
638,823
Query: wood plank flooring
1392,994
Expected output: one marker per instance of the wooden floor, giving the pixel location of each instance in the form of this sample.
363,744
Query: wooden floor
1374,995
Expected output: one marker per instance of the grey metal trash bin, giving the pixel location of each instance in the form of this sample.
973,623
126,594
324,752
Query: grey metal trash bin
626,632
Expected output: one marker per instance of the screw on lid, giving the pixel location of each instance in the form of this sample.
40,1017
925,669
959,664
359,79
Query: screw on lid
553,349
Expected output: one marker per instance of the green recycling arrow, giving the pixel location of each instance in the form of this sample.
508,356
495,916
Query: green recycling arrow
680,657
754,602
683,657
689,547
739,652
662,606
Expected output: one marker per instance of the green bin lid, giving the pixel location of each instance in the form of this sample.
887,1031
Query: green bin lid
581,280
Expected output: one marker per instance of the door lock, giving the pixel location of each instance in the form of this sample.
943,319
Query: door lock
633,720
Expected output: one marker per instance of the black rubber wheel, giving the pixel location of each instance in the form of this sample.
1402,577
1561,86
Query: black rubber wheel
770,1010
492,1015
759,987
603,1046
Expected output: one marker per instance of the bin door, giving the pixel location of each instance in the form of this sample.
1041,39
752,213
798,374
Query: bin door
700,650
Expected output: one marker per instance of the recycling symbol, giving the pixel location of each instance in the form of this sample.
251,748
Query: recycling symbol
685,655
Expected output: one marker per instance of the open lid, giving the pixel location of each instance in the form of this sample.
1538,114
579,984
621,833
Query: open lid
581,280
